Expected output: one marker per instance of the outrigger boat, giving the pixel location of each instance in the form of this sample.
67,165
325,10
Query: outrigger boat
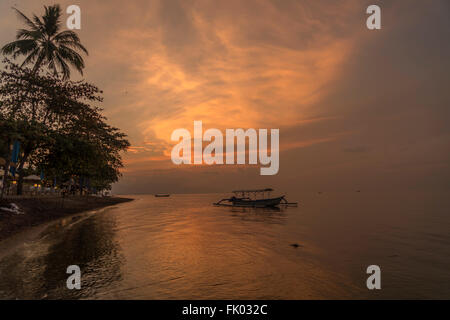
242,198
162,195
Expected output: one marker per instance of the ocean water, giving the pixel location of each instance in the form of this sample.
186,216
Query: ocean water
182,247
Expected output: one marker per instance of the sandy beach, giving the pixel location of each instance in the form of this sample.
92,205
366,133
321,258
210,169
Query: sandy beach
35,211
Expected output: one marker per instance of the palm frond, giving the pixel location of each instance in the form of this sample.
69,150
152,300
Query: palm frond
52,66
63,66
72,57
19,47
9,48
67,35
74,44
31,57
26,19
39,23
50,51
39,61
28,34
51,19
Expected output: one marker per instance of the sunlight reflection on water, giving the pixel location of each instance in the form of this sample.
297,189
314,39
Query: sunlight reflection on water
184,248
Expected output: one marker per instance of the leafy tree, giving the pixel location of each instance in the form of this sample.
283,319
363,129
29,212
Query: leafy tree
44,44
61,128
57,121
93,157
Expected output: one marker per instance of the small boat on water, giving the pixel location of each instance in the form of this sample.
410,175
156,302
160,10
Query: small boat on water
261,199
162,195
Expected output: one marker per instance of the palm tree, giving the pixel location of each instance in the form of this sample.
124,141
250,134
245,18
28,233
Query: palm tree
43,44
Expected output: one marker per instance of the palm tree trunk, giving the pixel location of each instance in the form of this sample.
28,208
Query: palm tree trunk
26,149
20,171
20,179
5,174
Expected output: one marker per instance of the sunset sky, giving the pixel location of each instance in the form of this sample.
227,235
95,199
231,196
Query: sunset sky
356,109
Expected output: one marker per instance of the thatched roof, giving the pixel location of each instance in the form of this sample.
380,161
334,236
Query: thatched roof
32,178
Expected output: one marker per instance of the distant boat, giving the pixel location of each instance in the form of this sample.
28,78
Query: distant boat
242,198
162,195
258,203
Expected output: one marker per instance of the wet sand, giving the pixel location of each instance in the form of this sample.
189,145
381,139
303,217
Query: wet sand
40,210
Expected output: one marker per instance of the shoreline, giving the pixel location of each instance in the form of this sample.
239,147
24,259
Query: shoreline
39,210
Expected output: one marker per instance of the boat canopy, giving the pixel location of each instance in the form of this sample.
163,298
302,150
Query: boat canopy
253,191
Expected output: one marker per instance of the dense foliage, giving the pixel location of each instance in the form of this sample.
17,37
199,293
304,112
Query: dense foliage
60,127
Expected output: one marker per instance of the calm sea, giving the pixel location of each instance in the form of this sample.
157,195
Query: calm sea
184,248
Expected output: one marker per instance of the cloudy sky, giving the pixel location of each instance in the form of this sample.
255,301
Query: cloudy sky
356,109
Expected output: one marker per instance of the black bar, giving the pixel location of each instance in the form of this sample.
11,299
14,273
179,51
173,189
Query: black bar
232,309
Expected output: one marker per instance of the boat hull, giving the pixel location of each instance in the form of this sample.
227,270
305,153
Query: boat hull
260,203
